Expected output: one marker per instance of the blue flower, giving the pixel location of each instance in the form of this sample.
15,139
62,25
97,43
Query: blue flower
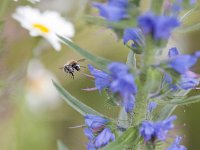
182,63
119,81
104,138
98,134
147,130
197,54
95,122
173,52
152,106
114,10
159,27
102,79
88,133
91,146
156,130
188,79
124,85
135,35
168,79
118,3
118,69
129,103
192,2
187,83
176,146
177,7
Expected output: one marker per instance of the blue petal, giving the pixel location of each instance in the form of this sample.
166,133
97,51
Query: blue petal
133,34
118,3
91,146
158,26
88,133
187,83
182,63
164,27
197,54
147,22
192,2
124,85
118,69
176,146
111,13
173,52
102,79
152,106
93,121
129,103
147,130
104,138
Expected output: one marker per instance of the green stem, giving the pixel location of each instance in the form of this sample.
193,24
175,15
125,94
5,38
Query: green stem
144,84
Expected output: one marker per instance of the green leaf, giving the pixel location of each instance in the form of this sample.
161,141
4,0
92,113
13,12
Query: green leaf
123,118
187,101
61,145
98,61
193,27
190,21
73,102
165,112
131,60
160,145
129,137
187,14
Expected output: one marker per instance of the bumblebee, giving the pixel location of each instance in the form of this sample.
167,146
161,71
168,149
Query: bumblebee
72,66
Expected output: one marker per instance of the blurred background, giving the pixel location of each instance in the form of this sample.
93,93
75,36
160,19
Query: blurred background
32,115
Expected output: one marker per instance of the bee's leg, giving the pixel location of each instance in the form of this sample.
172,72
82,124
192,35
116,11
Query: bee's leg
72,75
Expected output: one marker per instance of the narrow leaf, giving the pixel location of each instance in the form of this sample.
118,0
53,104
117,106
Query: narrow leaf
165,112
98,61
61,145
187,101
131,60
191,28
123,118
73,102
129,137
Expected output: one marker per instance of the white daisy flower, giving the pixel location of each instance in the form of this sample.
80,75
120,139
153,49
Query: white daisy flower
41,94
32,1
46,24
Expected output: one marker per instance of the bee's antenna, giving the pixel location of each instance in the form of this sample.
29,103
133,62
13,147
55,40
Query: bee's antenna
61,68
79,126
83,66
90,89
80,60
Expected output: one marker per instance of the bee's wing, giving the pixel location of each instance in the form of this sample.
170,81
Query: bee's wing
61,67
80,60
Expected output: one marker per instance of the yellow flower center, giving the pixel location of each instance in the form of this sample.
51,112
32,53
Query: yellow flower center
42,28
